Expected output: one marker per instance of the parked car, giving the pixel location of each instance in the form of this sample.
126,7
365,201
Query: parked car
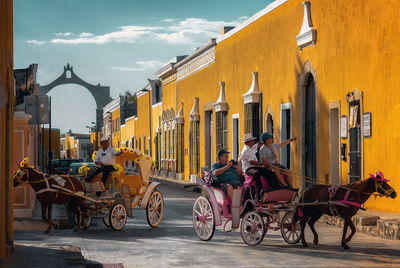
61,166
74,168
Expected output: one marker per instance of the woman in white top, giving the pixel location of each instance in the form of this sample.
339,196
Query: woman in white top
268,155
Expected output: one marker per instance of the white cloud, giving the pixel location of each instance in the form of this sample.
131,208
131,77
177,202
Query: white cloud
188,31
142,65
64,34
84,34
36,42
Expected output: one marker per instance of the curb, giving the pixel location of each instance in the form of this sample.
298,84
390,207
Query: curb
373,225
184,185
35,224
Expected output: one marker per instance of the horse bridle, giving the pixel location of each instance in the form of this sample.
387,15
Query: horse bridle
18,177
379,186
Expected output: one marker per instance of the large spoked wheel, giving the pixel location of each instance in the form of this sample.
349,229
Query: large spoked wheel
252,228
106,220
155,209
291,231
87,221
203,218
118,217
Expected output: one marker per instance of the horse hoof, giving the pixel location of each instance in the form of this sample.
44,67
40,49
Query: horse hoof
315,241
345,246
47,231
305,245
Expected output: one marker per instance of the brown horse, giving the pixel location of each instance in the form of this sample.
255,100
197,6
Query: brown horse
48,194
352,196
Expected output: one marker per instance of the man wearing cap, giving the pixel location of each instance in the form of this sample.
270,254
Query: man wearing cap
227,172
253,167
268,155
105,159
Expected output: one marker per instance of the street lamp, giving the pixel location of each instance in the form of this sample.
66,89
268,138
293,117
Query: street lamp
148,90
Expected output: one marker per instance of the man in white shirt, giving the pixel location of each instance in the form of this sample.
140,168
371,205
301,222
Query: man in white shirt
252,166
105,159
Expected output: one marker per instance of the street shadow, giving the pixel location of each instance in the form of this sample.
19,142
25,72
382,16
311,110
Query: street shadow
44,255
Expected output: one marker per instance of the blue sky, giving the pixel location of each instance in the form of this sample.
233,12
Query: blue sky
117,43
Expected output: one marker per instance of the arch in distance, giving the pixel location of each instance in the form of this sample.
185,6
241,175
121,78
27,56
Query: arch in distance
101,94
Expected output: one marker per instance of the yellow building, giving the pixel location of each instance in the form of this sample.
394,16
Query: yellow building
293,70
6,123
112,121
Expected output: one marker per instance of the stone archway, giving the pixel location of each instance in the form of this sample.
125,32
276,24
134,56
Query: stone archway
101,94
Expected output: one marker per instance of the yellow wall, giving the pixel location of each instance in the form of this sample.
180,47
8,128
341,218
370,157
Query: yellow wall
356,48
130,130
6,121
143,125
116,134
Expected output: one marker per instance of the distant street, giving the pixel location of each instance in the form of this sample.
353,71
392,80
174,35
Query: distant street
174,243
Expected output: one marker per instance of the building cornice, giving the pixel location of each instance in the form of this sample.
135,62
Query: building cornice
252,19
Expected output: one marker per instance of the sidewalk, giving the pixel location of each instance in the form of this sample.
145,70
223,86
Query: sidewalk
36,223
383,224
182,184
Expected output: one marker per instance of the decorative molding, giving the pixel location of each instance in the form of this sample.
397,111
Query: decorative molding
196,63
169,79
308,34
179,117
253,95
194,113
221,105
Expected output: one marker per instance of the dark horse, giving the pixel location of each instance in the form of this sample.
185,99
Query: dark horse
352,196
48,194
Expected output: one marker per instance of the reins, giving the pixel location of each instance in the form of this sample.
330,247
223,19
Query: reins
315,181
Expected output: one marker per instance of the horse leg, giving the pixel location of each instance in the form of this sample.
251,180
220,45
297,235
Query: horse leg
344,245
49,212
353,231
44,208
303,223
77,212
311,223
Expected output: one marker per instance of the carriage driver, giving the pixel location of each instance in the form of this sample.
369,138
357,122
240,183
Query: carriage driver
105,159
227,172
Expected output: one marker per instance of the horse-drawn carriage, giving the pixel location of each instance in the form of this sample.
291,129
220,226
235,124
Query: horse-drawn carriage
273,212
281,209
125,189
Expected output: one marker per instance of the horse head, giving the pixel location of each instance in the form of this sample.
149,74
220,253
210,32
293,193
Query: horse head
21,175
382,186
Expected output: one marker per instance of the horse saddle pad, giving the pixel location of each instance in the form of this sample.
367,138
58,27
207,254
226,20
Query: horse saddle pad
279,195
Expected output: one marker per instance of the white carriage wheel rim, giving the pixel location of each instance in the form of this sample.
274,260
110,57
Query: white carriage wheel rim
118,217
252,219
203,229
155,214
294,236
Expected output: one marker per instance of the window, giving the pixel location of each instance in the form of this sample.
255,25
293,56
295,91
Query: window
194,147
180,148
221,131
251,119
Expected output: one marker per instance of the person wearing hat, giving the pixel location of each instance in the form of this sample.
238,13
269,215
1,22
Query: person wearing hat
253,167
268,155
104,159
228,173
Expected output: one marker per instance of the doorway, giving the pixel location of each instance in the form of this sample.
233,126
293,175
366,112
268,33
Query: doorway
286,129
310,159
235,136
354,141
334,138
208,135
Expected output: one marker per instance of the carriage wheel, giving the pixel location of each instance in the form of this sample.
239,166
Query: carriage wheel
106,220
155,209
252,228
118,217
87,221
203,218
291,232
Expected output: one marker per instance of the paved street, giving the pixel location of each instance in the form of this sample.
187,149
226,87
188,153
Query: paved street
174,243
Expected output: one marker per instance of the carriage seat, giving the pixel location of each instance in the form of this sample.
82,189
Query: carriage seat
279,195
